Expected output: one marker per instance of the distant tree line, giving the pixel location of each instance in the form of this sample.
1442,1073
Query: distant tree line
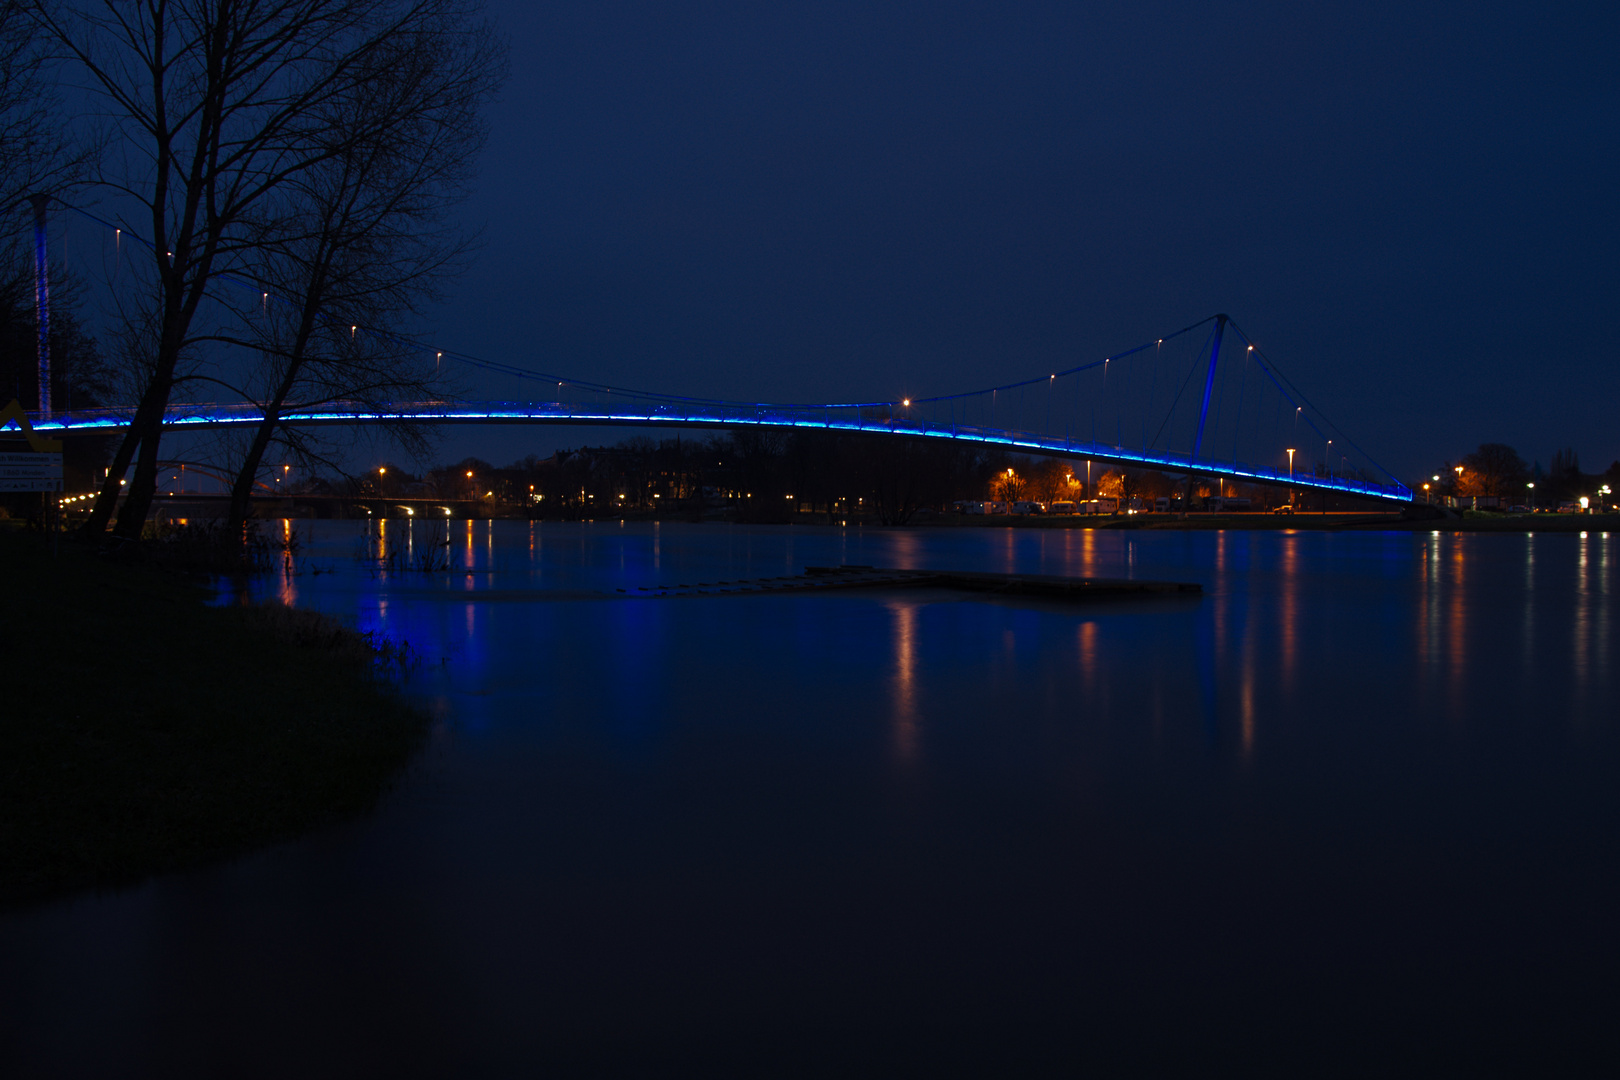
1496,470
768,476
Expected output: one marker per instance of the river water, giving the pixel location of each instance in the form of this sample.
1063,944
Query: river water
1354,807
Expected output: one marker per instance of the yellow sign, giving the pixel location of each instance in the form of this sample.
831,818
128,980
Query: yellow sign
41,445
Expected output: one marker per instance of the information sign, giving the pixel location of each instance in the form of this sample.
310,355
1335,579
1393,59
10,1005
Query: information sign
30,471
39,468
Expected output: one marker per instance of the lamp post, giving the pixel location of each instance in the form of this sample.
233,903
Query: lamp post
1290,476
1532,486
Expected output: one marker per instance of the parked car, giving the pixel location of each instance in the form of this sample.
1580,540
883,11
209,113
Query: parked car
1283,509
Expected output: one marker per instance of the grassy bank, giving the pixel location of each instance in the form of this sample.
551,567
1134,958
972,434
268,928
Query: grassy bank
143,731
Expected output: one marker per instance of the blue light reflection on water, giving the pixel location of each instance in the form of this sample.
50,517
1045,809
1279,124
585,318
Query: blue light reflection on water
1364,777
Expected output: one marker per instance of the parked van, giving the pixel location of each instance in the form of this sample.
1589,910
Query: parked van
1028,506
1161,505
1062,506
1099,506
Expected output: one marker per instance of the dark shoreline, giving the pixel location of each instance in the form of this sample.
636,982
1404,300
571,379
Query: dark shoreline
1375,522
147,732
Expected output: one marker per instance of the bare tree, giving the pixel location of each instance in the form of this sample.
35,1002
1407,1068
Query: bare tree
1493,469
362,239
219,106
33,153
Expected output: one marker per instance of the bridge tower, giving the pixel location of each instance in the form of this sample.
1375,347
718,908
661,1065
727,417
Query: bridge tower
42,305
1209,383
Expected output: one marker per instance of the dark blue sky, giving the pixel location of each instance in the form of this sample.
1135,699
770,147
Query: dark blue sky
1411,207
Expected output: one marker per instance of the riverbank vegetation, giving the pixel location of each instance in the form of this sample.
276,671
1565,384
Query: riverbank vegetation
145,731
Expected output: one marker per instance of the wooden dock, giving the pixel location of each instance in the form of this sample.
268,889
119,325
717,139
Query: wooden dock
829,578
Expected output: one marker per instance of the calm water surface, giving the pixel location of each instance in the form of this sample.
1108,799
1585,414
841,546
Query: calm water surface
1355,807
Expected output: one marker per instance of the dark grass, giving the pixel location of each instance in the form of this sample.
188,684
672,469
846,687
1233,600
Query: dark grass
143,731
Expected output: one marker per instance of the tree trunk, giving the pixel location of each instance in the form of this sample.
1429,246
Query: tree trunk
141,439
142,487
107,497
242,489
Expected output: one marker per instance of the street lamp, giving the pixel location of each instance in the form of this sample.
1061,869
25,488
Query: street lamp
1425,494
1532,487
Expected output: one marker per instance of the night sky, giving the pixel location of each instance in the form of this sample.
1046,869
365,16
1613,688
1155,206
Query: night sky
1412,208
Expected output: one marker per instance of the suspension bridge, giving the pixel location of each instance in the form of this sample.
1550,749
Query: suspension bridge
1203,401
1057,414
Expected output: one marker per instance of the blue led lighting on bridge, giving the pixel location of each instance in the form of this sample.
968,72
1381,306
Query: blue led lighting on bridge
184,417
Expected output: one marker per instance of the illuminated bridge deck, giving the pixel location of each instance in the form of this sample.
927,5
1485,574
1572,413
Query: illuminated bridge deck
878,419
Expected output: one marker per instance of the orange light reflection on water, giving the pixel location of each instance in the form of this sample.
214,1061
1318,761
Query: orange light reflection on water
905,680
287,593
1291,584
